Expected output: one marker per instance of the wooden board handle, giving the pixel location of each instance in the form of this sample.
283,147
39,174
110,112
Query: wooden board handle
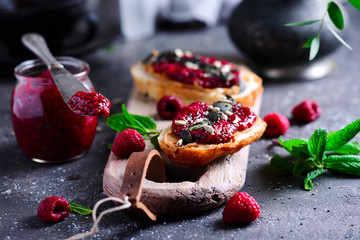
141,165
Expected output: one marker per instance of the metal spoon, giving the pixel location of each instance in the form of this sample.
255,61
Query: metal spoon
67,84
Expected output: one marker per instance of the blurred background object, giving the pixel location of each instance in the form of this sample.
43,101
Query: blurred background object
56,20
71,27
140,19
257,29
75,27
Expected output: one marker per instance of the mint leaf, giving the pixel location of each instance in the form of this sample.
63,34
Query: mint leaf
302,166
80,209
281,165
296,147
131,118
313,154
317,143
308,185
348,164
348,149
147,122
355,3
335,15
339,138
314,47
121,121
304,23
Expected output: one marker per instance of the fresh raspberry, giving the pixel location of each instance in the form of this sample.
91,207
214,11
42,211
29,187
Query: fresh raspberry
277,124
53,209
306,111
241,208
168,106
127,142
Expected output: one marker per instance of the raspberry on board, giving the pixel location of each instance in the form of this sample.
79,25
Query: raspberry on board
277,124
53,209
306,111
241,208
128,142
168,106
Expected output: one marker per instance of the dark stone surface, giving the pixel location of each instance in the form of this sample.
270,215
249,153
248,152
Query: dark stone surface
329,211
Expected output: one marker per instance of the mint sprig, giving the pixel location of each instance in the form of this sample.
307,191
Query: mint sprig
336,17
79,209
322,150
121,121
146,126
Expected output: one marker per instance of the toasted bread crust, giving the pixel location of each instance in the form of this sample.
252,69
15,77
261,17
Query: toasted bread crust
199,154
157,85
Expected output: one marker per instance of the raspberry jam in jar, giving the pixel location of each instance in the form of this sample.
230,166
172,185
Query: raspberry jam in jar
45,127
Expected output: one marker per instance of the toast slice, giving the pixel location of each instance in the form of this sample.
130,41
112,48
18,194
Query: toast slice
157,85
198,154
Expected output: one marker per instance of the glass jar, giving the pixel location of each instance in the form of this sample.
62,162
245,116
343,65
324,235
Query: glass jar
45,127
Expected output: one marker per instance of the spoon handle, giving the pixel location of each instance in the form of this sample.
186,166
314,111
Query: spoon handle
67,84
36,43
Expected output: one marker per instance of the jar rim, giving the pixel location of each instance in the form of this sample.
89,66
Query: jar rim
84,67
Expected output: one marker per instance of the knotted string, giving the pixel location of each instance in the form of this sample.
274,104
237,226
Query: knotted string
95,229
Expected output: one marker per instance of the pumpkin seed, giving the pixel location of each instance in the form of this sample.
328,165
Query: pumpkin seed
198,125
230,98
223,107
212,116
186,136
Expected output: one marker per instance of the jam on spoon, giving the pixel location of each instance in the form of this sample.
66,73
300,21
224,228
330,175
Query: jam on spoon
90,104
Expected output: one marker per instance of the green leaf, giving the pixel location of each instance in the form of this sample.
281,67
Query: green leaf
339,138
80,209
338,37
314,48
147,122
281,165
348,149
355,3
296,147
307,44
317,143
297,24
308,185
121,121
302,166
335,15
154,141
130,117
348,164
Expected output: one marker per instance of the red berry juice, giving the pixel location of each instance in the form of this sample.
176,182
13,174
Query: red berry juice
45,127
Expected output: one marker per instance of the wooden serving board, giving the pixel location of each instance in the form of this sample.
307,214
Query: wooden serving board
186,189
